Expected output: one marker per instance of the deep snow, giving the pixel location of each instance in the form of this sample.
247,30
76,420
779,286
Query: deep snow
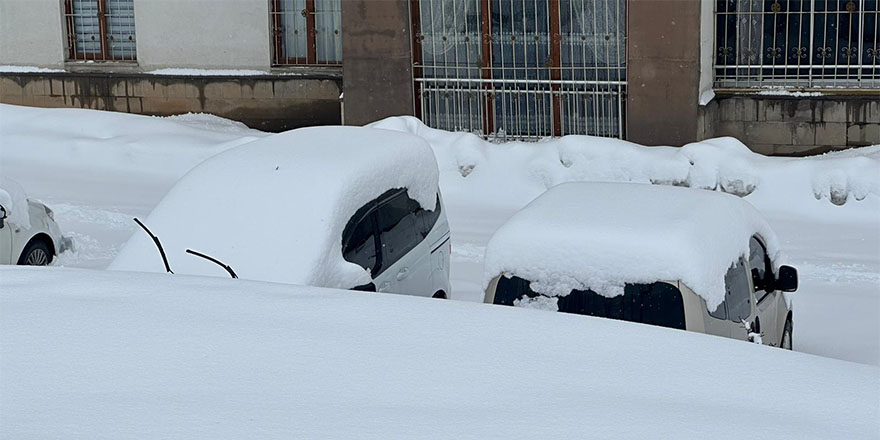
68,158
89,355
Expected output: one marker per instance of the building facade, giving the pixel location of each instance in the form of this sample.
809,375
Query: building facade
784,76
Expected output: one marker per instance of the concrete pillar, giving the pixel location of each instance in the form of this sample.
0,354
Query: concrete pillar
376,60
663,71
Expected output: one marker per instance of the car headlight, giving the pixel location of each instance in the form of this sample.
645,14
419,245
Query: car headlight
49,212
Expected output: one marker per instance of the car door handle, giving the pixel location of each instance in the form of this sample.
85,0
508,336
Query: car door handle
402,274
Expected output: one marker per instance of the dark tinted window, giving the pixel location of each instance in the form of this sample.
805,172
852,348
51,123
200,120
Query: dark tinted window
359,246
738,297
657,304
400,229
428,218
760,267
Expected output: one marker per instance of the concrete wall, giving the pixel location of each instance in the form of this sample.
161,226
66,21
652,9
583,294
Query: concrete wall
663,71
207,34
795,125
272,103
31,33
377,54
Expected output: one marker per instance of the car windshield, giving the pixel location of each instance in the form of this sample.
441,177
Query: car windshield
656,304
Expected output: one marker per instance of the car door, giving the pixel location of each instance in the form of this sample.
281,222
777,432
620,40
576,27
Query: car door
766,299
405,255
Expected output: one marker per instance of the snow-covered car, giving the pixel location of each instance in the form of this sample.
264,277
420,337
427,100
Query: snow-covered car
28,232
344,207
675,257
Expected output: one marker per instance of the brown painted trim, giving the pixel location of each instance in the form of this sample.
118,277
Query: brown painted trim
71,32
102,26
416,20
277,34
486,68
555,63
311,33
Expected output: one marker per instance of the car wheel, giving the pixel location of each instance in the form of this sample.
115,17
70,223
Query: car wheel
785,343
35,253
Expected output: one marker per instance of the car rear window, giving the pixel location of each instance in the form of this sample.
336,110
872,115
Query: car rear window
656,304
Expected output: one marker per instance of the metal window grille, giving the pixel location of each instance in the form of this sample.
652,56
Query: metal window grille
797,43
100,30
521,69
306,32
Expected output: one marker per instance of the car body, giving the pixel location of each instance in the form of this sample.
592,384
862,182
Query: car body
34,244
752,301
343,207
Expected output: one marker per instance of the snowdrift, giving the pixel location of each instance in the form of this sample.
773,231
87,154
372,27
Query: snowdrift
91,355
516,172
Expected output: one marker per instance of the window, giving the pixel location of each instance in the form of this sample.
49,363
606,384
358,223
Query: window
428,218
100,30
359,245
400,230
762,275
306,32
738,296
656,304
803,43
521,69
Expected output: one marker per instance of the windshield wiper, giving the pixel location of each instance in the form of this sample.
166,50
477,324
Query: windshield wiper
213,260
158,244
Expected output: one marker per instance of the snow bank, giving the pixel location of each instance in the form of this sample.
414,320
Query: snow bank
88,355
601,236
275,209
114,154
14,199
514,173
207,72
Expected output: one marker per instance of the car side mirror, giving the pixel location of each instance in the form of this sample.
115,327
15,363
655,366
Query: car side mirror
3,216
787,279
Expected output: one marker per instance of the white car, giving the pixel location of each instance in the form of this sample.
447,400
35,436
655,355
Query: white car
675,257
344,207
28,238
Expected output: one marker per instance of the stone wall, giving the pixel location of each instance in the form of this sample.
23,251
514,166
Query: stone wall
791,125
267,102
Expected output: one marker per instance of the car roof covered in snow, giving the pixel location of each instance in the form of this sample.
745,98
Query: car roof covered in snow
275,209
601,236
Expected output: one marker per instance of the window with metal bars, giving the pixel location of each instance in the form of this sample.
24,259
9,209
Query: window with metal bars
521,69
100,30
306,32
797,43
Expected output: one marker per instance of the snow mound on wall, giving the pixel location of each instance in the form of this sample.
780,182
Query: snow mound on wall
517,172
113,152
601,236
275,209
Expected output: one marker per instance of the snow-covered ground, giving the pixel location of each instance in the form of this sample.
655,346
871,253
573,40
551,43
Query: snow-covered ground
118,355
97,170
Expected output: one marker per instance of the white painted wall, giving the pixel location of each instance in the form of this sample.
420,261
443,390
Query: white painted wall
707,50
206,34
31,33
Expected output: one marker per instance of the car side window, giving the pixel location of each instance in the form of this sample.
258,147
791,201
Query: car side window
359,246
429,218
760,268
738,295
720,312
399,228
